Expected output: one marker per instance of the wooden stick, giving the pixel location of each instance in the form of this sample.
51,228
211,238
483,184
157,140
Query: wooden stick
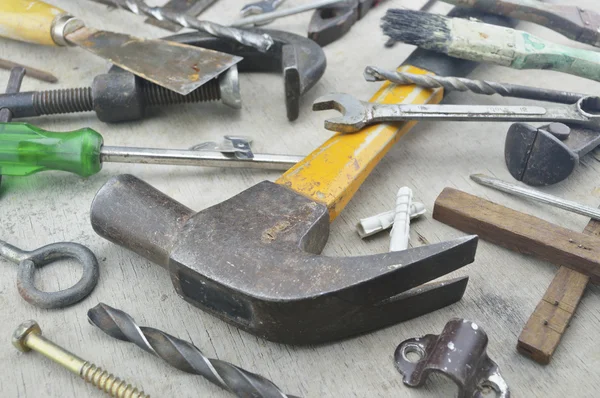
547,324
519,231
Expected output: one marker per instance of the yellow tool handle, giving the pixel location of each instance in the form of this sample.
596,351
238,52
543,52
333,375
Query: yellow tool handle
28,20
332,173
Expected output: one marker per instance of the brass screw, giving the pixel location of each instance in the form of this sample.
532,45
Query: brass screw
28,336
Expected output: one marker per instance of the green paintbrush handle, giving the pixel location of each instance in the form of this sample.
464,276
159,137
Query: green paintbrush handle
532,52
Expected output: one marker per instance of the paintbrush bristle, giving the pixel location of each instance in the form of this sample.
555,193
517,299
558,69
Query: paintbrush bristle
422,29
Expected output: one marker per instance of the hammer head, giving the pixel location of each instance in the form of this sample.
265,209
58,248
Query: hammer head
253,261
354,112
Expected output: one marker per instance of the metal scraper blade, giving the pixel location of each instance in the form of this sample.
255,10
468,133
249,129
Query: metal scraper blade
179,67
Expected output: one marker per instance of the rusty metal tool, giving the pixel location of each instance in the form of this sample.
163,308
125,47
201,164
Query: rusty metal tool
577,254
329,23
191,8
31,72
119,96
182,355
30,261
254,262
261,274
301,61
260,41
28,336
547,154
576,23
357,114
459,353
178,67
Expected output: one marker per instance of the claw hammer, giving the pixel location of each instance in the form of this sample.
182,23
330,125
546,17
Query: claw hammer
254,260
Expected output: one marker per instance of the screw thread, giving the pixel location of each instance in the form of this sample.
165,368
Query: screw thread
155,95
108,383
68,100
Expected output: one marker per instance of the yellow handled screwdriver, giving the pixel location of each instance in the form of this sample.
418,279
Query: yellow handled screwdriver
179,67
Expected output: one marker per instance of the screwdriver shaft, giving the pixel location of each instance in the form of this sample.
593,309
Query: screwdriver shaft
182,355
183,157
537,196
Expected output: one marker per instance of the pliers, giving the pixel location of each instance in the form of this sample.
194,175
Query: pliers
330,23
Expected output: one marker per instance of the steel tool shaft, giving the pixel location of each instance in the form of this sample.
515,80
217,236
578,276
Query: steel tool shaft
260,41
484,87
182,355
536,195
358,114
186,157
257,19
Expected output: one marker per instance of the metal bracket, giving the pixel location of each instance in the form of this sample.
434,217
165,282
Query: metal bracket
235,145
459,353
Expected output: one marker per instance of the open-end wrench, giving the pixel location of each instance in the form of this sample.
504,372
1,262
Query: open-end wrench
357,114
260,7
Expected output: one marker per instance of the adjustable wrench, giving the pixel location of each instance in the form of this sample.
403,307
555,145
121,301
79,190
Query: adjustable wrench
358,114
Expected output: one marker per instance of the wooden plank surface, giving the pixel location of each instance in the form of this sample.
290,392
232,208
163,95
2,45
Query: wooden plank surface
504,286
518,231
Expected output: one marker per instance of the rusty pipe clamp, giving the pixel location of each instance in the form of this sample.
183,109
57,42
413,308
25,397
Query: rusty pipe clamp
458,353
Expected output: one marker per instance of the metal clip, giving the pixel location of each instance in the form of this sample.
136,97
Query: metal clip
237,146
459,353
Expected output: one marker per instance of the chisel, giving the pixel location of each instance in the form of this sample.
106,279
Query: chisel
178,67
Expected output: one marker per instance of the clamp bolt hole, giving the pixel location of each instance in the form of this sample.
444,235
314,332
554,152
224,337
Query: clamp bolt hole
413,353
487,389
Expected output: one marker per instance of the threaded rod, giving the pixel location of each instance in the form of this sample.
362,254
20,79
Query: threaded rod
73,100
108,383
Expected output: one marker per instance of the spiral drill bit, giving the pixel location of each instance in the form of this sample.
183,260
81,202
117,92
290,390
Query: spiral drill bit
262,42
484,87
182,355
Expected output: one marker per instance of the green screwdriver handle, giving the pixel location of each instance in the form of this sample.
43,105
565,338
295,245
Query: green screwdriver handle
26,149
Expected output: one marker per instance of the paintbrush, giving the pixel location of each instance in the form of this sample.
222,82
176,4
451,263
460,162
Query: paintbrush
482,42
574,22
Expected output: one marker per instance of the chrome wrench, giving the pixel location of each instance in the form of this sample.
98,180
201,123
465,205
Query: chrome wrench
357,114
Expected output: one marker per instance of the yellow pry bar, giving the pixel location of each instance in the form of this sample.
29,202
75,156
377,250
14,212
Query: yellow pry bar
332,173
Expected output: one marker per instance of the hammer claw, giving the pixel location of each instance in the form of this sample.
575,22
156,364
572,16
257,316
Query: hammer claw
254,261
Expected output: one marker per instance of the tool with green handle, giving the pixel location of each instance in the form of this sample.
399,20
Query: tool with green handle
178,67
26,149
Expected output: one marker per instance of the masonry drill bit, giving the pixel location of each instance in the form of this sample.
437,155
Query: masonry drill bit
484,87
262,42
182,355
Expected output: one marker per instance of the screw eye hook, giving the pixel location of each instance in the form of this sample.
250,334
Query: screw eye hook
29,262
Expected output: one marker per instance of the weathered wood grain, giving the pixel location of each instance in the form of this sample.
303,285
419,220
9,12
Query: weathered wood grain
548,322
518,231
504,286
